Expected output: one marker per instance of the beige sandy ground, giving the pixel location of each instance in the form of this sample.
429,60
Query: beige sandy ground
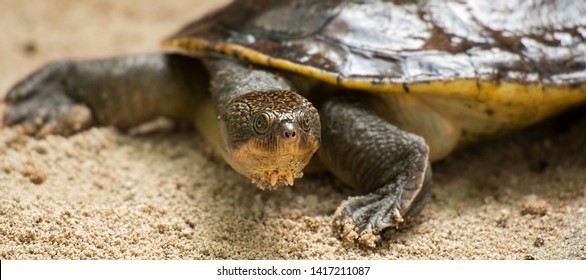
102,194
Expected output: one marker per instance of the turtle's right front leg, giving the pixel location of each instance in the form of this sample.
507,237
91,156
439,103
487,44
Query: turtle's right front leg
68,96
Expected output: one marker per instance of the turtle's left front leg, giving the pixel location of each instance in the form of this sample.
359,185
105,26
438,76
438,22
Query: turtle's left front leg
388,165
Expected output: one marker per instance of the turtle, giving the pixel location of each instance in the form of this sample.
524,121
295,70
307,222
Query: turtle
376,90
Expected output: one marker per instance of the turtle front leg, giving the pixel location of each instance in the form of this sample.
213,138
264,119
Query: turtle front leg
68,96
390,166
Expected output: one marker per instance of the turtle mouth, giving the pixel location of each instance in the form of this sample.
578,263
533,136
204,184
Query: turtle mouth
274,161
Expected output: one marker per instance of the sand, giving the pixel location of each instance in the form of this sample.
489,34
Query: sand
103,194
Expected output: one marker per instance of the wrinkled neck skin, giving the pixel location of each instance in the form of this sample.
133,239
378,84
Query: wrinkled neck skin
274,154
230,79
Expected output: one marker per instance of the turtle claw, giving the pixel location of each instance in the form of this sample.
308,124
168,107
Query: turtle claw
63,119
40,105
372,211
351,234
362,218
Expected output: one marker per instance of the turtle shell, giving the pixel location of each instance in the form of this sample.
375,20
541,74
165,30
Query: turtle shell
499,60
391,45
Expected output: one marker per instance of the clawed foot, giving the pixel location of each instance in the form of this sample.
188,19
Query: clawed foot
361,219
40,105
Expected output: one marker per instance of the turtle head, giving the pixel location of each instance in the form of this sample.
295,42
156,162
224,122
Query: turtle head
270,136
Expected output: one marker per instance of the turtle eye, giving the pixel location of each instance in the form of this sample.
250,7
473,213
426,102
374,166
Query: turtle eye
305,123
262,123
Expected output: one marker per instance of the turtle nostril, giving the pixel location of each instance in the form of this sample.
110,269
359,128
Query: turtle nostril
289,134
289,131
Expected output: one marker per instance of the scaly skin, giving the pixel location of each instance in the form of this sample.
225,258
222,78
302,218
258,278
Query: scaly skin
123,91
389,166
